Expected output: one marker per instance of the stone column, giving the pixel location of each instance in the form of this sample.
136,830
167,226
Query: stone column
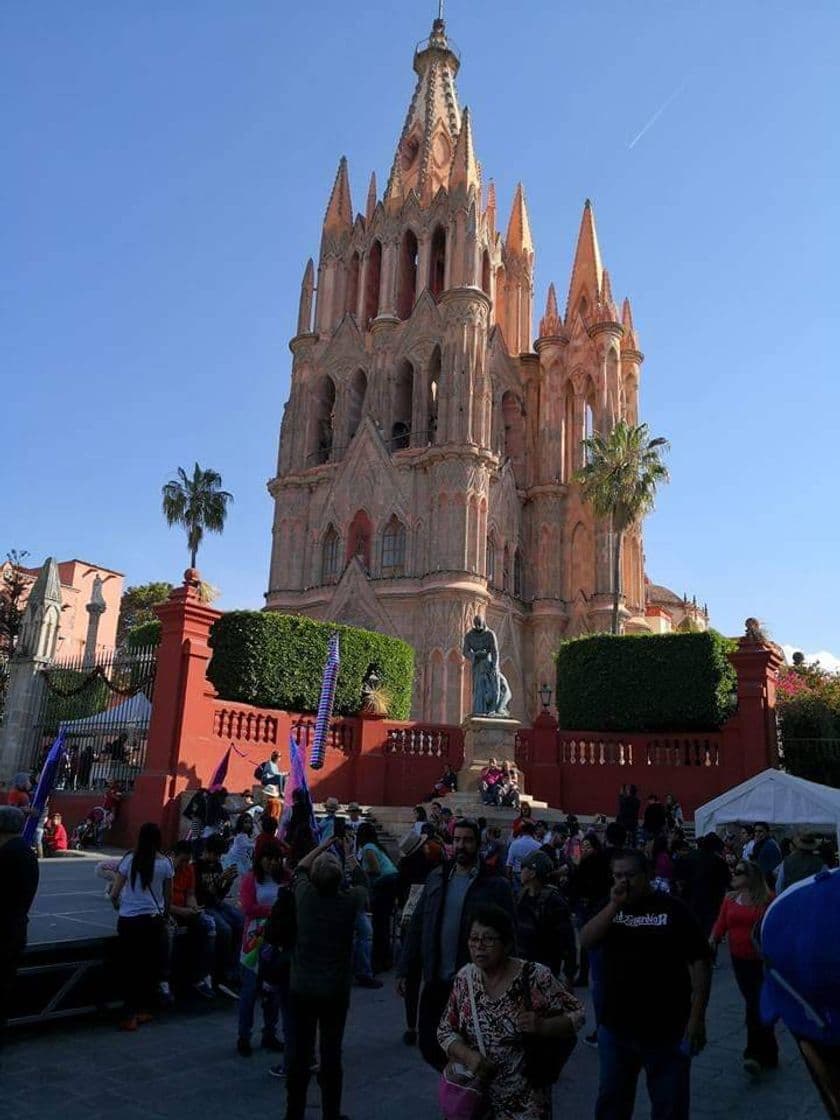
95,609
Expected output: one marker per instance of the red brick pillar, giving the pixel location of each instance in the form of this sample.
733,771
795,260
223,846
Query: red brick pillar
182,709
757,666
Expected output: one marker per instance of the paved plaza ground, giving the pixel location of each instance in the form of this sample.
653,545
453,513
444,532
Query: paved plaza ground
184,1064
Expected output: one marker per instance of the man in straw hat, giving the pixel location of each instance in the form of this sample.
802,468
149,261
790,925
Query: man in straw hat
804,860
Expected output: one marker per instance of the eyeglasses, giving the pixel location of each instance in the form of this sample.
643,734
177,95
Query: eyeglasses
486,939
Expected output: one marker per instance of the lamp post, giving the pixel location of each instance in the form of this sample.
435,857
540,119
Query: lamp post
545,696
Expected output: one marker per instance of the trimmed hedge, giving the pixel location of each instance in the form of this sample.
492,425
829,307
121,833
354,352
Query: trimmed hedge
144,634
277,661
645,682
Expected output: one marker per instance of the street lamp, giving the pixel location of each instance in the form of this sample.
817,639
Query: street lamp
545,696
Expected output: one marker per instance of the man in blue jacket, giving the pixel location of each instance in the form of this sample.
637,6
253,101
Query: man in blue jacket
437,936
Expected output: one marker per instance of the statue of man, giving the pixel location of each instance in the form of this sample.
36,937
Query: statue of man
491,693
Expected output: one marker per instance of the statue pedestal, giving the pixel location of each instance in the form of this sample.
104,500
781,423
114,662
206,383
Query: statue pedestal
485,737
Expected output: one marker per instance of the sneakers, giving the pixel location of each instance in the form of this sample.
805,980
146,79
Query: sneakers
243,1048
165,994
368,982
205,989
273,1043
227,990
277,1071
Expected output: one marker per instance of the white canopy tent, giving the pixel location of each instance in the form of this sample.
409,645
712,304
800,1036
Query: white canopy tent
775,797
133,712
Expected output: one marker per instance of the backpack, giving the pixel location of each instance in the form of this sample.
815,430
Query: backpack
260,770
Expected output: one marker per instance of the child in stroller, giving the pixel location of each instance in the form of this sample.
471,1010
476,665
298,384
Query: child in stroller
90,833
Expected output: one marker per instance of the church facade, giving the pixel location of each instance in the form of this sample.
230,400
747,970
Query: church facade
428,446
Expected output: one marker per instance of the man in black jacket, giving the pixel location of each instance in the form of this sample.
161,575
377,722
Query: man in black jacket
18,884
437,936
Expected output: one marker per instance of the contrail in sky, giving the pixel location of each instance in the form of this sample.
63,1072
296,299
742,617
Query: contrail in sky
657,114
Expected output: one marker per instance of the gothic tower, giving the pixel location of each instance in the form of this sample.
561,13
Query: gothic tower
428,446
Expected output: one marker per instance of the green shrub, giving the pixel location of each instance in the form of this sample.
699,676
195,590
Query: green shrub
144,634
656,682
277,660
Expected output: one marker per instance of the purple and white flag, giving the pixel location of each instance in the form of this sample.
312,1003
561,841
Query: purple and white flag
325,705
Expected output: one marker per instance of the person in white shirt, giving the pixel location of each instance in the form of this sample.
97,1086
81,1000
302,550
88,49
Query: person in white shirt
520,847
141,892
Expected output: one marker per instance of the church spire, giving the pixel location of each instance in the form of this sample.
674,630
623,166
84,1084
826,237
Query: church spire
629,340
551,324
307,289
433,122
519,238
339,216
465,172
587,271
371,198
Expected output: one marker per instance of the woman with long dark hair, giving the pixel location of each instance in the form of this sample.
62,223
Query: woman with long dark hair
257,894
384,883
141,891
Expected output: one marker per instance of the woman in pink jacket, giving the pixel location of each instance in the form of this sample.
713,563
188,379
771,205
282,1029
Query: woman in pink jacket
257,894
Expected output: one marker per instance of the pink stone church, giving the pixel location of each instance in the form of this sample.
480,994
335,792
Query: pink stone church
428,446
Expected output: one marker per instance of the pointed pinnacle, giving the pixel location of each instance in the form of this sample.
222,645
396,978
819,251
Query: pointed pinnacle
629,341
550,324
587,270
394,191
464,171
371,197
518,239
340,209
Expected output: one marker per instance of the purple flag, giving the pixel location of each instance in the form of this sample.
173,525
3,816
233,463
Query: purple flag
294,782
325,704
220,773
46,781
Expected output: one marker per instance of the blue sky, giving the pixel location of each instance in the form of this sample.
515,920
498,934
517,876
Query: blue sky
166,168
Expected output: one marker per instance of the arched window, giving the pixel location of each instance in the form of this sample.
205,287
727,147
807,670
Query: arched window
356,402
491,560
518,578
512,421
374,271
506,569
403,402
485,272
408,275
589,415
323,416
358,539
393,548
437,262
330,552
432,397
351,303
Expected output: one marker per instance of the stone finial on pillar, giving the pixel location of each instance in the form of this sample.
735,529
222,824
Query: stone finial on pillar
95,608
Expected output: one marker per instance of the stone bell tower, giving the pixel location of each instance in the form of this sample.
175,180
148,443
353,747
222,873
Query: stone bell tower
427,448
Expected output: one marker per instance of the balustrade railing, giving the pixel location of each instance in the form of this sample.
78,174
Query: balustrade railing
428,742
246,726
675,750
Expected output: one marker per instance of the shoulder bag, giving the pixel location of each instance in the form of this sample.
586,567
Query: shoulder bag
462,1095
544,1057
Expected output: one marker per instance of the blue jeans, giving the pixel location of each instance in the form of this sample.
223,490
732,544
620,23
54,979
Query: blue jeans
622,1059
249,990
230,923
363,945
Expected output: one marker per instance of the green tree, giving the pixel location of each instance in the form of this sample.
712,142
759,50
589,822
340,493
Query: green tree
13,585
622,472
197,503
136,606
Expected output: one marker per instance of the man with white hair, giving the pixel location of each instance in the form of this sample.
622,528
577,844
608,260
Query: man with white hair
322,970
18,884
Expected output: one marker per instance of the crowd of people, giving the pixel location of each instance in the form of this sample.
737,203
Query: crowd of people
489,935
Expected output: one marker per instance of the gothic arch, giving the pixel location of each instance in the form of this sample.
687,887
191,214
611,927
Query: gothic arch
351,301
486,273
322,421
359,537
357,391
372,282
402,407
433,396
330,555
392,554
407,285
437,262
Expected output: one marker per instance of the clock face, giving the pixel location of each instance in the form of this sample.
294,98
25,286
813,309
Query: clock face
410,150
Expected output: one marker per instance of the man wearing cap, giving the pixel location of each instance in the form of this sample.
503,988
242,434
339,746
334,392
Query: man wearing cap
436,941
802,976
803,861
18,884
544,926
326,826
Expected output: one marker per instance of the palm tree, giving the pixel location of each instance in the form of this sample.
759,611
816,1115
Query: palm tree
197,503
620,477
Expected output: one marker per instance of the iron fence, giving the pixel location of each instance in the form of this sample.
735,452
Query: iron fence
104,707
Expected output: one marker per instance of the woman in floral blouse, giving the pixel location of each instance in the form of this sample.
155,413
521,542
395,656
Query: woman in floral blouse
498,981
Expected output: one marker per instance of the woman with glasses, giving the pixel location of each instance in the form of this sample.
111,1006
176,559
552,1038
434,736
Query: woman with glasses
498,982
743,907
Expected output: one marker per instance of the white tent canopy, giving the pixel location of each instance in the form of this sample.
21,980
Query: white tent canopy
775,797
133,712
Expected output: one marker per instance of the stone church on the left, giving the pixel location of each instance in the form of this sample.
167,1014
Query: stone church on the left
428,446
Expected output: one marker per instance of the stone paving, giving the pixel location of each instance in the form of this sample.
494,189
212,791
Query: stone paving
184,1065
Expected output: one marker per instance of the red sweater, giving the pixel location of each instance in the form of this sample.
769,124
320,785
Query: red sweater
738,920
